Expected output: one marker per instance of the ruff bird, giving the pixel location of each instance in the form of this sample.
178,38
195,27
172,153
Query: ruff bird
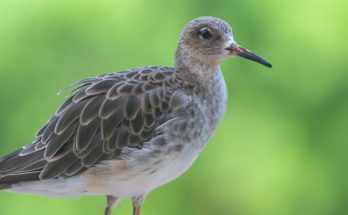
124,134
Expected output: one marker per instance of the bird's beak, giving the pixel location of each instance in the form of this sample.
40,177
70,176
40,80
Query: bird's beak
235,49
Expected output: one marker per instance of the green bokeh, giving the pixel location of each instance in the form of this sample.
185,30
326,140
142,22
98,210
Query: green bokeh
282,147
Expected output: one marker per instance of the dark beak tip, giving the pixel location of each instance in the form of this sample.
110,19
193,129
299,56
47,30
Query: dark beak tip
245,53
269,65
251,56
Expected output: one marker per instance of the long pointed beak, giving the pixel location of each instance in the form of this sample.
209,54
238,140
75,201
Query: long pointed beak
235,49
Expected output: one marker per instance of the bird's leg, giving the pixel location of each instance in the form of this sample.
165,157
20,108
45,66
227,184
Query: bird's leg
136,210
137,202
110,203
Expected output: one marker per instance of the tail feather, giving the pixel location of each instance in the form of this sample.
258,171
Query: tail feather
8,156
19,177
13,169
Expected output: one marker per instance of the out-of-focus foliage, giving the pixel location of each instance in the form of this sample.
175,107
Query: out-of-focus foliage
282,147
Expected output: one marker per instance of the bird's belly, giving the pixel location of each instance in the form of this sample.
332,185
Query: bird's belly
133,178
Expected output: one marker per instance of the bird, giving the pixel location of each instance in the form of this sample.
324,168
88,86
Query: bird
123,134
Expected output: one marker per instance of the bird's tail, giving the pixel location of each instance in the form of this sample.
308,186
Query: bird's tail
16,168
4,183
11,170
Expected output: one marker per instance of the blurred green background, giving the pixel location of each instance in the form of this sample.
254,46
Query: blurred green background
282,147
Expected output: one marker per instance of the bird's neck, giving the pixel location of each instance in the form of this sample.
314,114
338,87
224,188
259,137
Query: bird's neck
188,60
204,73
206,83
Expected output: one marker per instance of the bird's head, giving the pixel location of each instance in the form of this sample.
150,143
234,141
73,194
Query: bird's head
210,40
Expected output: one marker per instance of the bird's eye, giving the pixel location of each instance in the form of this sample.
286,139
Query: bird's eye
205,34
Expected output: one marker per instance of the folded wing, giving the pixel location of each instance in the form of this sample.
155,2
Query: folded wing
103,115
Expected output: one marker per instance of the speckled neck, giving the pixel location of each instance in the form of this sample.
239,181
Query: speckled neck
206,82
193,68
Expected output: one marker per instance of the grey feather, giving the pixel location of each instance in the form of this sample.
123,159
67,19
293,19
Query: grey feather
94,154
137,90
57,141
137,124
18,177
133,140
111,143
79,96
16,162
112,92
109,125
49,131
154,100
100,87
64,106
40,132
149,120
110,106
122,138
148,87
56,168
96,141
85,134
145,104
64,150
91,109
178,99
147,134
69,116
125,90
75,167
131,107
35,166
28,149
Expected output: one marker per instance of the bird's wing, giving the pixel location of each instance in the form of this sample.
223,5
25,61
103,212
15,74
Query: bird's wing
103,115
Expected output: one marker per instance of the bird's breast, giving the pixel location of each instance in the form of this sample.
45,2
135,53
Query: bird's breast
211,103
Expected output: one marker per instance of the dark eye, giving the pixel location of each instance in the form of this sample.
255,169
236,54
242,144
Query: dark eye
205,33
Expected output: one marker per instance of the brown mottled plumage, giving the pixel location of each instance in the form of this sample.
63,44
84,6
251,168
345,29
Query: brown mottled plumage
124,134
103,115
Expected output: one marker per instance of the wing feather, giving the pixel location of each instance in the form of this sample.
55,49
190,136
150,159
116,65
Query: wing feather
101,117
110,124
54,168
49,131
58,140
91,109
131,107
85,134
69,116
111,106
